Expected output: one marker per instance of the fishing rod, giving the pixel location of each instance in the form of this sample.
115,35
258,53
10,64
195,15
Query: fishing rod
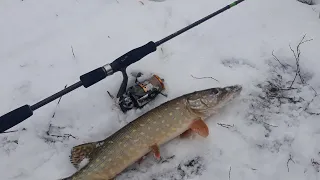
22,113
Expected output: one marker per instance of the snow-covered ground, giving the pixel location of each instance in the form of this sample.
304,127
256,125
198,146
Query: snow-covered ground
271,132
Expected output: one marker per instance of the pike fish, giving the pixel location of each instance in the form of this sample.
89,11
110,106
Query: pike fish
181,116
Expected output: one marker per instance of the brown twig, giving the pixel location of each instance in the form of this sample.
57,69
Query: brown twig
204,78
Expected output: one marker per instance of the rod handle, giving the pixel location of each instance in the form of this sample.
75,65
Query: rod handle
93,77
15,117
133,56
120,63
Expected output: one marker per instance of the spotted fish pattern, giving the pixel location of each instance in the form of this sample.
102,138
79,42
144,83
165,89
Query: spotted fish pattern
178,117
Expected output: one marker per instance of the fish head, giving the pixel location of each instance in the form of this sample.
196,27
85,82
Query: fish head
208,101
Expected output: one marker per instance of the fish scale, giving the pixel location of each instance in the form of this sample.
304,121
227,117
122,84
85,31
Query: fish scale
109,157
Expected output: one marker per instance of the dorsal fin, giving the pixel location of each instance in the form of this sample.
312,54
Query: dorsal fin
82,151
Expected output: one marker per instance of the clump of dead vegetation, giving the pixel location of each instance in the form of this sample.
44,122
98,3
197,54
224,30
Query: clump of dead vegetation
283,92
185,170
9,140
53,134
282,99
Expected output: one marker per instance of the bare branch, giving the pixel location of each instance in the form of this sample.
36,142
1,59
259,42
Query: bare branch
316,165
225,125
275,57
204,78
63,136
23,129
316,93
111,96
304,41
293,80
48,133
298,67
309,2
287,89
308,104
73,52
54,113
255,118
290,159
269,124
312,113
297,57
230,173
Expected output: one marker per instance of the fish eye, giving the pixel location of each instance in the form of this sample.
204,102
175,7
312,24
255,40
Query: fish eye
215,91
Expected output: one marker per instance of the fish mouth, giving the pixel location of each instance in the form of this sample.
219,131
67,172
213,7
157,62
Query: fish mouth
236,89
233,91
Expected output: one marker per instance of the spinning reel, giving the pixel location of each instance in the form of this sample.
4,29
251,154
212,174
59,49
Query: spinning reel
140,94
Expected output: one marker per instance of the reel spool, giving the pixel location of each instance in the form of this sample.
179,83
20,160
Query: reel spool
141,93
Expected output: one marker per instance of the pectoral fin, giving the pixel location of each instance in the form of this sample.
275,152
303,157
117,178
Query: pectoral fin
156,151
80,152
200,127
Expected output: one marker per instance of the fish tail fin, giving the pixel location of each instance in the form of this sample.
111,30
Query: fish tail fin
82,151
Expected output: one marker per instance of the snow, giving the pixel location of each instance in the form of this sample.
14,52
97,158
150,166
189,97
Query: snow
84,162
250,142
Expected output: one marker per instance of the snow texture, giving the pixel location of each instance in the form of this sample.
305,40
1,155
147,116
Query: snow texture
83,163
271,132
